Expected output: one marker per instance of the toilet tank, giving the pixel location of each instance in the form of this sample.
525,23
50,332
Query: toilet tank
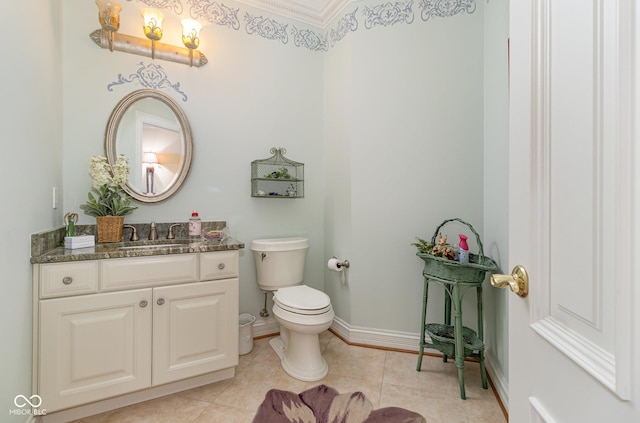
279,261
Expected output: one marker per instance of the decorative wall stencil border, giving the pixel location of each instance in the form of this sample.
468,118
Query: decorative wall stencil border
213,12
175,5
445,8
266,28
388,14
309,39
149,76
345,24
381,15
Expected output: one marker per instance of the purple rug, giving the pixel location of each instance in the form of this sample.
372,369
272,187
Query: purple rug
323,404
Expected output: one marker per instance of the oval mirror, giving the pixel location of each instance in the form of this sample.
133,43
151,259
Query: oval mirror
152,131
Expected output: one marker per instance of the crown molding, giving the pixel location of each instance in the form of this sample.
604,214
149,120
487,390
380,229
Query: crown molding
301,11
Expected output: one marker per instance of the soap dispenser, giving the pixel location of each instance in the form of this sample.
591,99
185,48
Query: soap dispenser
195,225
463,249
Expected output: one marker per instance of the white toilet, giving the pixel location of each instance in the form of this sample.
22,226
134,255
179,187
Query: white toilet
302,312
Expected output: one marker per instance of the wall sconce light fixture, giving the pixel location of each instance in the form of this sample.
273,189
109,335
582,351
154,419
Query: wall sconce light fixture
109,17
191,36
152,27
150,158
108,37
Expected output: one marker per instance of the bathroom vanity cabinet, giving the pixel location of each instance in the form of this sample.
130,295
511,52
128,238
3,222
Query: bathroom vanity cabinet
104,328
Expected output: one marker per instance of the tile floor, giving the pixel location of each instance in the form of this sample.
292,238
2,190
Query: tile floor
387,378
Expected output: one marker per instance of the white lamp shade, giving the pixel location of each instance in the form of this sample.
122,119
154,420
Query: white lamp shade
149,157
191,33
109,14
152,23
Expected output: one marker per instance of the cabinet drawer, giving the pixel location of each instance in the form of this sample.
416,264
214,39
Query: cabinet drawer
218,265
65,279
141,272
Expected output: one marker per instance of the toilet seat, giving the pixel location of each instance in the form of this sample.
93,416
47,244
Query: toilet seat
302,299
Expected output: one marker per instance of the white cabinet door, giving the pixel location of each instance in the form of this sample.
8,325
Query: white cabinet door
94,347
195,329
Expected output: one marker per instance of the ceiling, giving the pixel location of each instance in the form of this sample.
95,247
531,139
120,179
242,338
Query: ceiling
318,13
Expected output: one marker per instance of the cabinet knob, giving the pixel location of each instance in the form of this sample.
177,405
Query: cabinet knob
160,301
143,303
221,266
67,280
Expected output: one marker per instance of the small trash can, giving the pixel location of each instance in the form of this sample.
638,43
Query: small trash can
246,333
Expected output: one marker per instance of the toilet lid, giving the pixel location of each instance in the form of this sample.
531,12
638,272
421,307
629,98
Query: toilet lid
303,299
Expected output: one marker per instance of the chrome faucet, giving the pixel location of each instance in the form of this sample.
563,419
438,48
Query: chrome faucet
170,235
134,232
153,232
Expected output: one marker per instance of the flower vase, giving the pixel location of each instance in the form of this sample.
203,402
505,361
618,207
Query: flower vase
109,228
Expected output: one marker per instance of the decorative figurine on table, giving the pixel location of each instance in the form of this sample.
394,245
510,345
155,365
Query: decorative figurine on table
441,249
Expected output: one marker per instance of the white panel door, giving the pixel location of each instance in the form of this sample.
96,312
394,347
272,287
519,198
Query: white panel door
573,210
93,347
195,329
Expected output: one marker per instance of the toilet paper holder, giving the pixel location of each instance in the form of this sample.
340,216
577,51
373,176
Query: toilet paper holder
341,263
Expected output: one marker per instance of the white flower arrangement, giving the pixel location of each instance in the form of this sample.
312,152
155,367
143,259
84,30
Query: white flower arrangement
108,184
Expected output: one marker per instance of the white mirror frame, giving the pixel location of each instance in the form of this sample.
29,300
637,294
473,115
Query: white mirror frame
112,133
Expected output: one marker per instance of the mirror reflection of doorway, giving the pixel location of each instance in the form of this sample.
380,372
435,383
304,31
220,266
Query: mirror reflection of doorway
158,155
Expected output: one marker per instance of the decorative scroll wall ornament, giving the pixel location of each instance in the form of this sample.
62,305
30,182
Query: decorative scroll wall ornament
149,76
266,28
345,24
175,5
213,12
388,14
309,39
444,8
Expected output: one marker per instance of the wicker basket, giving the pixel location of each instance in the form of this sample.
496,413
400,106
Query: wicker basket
451,270
109,228
442,338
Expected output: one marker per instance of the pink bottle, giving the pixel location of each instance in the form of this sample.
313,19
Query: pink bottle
463,249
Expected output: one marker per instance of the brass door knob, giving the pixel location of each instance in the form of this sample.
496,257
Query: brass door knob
517,281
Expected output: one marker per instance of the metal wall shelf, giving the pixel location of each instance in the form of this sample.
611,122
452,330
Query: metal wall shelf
277,176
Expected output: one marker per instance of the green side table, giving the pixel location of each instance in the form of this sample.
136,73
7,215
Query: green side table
454,340
456,278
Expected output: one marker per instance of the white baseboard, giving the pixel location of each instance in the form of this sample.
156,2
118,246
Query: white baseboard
376,337
500,382
265,326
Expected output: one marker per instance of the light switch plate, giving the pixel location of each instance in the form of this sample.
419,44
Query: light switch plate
55,197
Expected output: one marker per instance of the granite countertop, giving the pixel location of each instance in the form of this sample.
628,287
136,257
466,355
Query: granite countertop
124,249
48,246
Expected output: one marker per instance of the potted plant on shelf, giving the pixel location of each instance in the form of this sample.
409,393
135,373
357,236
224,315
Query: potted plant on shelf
107,201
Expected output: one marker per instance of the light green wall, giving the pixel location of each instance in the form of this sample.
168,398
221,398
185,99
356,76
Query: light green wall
338,112
412,148
31,122
496,182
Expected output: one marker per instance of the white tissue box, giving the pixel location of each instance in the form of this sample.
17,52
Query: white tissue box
82,241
